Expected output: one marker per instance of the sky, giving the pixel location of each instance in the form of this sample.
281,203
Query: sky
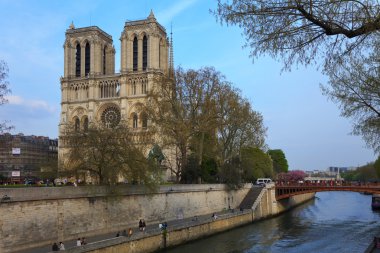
300,120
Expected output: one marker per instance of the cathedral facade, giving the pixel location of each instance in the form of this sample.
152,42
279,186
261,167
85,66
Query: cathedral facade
91,91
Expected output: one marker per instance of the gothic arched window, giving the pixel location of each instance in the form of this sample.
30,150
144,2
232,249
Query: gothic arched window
134,88
85,124
77,124
134,122
87,59
145,52
143,87
104,60
77,61
135,54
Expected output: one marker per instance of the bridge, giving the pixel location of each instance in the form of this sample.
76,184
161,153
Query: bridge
284,191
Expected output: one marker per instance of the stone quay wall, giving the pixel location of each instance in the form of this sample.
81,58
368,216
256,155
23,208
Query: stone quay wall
33,217
266,207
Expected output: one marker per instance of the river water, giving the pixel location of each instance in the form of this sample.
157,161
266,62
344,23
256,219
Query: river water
332,222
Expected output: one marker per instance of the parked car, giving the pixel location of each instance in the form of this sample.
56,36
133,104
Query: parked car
263,181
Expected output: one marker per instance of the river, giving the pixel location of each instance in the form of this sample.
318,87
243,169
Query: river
332,222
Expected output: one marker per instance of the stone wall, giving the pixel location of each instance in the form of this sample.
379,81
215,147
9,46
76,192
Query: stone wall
37,216
267,207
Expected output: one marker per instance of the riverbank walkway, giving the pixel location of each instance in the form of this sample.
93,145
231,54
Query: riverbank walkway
150,229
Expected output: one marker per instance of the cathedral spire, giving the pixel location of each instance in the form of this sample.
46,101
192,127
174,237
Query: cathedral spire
72,25
151,15
171,59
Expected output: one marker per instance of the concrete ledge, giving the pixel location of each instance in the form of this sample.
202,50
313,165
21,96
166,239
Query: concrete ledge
156,240
69,192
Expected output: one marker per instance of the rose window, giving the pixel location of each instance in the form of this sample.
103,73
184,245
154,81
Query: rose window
111,117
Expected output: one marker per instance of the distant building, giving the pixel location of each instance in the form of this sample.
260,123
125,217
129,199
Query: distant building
23,156
333,171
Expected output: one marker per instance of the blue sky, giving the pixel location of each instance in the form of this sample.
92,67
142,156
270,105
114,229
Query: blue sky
300,121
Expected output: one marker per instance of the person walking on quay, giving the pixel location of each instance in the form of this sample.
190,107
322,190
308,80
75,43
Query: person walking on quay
61,246
83,242
79,242
124,233
118,234
55,247
141,225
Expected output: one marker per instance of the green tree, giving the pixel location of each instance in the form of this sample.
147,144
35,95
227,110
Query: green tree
363,173
4,90
255,163
342,35
209,170
238,124
109,154
376,165
230,173
280,164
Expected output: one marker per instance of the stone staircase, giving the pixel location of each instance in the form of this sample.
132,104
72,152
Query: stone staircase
250,198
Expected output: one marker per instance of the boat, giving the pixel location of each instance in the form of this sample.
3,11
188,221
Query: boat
374,246
375,201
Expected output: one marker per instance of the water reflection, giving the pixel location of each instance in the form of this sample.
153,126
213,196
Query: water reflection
333,222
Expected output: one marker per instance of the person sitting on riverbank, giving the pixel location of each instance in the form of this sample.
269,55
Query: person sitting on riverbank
130,232
143,225
55,247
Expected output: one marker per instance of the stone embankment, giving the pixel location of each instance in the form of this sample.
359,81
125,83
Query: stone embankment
38,217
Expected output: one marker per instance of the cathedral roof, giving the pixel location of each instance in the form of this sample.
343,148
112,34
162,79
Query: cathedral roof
73,30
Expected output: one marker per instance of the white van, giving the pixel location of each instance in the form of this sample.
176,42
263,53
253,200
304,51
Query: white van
263,181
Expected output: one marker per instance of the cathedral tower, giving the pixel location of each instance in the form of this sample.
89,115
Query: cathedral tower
91,91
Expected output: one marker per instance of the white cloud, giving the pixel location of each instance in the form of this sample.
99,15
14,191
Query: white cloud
168,14
31,104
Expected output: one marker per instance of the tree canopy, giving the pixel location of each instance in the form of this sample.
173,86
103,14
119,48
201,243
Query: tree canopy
199,113
376,165
340,36
280,164
300,31
255,163
109,154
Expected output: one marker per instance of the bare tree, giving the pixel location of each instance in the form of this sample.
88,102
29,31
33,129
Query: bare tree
355,86
300,31
4,90
340,36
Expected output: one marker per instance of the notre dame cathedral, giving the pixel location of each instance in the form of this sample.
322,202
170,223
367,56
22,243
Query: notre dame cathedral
91,91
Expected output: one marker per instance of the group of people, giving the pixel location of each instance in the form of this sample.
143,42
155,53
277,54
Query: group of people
58,247
142,225
163,226
81,242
